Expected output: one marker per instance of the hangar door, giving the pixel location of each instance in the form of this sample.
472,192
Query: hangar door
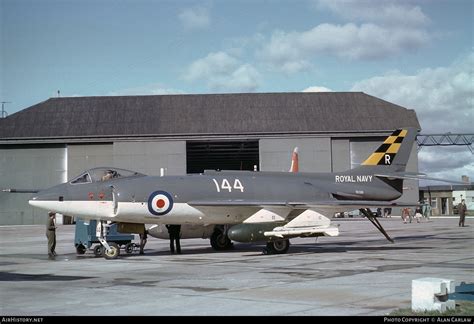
221,155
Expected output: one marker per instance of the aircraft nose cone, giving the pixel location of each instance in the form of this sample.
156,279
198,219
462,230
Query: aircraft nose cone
44,201
50,199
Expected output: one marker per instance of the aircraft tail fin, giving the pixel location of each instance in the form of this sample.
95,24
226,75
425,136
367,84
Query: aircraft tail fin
294,161
394,152
391,157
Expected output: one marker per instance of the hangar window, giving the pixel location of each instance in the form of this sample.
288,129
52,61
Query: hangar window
221,155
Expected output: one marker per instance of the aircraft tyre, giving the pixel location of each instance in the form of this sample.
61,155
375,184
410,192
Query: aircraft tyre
220,241
114,251
277,247
98,250
80,249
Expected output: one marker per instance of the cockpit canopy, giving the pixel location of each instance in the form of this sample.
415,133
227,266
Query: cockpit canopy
103,174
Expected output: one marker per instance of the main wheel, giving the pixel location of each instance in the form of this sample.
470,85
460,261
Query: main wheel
113,253
220,241
80,249
278,247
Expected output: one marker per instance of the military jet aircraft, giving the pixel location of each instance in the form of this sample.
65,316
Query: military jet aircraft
255,206
214,232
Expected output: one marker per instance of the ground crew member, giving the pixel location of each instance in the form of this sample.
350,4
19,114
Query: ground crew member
174,232
143,239
462,212
51,234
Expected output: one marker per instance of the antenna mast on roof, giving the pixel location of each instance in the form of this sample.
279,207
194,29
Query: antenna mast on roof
4,113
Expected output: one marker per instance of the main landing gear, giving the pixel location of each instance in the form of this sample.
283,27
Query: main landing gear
219,239
277,247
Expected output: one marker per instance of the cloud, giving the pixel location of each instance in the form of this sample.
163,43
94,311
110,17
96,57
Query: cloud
349,41
223,72
449,163
317,89
442,97
291,67
213,64
195,18
377,30
150,89
384,12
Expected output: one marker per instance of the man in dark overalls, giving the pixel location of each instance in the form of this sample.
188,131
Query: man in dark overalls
51,234
143,239
174,232
462,212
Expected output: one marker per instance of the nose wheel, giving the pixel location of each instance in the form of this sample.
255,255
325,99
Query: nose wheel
113,252
110,251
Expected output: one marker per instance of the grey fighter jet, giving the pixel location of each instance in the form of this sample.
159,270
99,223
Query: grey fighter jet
211,231
255,206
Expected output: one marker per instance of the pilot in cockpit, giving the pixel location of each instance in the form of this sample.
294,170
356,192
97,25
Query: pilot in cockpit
109,174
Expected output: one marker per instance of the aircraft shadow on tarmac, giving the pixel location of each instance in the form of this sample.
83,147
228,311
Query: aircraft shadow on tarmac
242,248
294,249
10,276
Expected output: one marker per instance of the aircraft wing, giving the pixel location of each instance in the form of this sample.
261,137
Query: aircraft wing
351,203
268,211
302,204
236,202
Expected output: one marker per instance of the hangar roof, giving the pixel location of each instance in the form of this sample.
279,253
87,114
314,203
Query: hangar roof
205,114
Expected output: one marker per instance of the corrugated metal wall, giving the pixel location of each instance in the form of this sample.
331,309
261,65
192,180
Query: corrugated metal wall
314,154
81,157
150,157
28,167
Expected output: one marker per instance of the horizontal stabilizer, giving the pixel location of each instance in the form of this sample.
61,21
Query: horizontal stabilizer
414,176
290,232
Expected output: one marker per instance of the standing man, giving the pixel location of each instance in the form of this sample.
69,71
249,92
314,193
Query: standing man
143,239
51,234
174,231
462,212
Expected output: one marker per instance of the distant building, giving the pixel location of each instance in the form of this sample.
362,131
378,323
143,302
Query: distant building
445,198
57,139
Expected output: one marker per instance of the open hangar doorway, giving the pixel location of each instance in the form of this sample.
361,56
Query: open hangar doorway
221,155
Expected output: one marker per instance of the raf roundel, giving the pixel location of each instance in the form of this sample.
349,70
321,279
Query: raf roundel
160,203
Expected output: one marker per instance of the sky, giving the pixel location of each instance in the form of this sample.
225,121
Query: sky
417,54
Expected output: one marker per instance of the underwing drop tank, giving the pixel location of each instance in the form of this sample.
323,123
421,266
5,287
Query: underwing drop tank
253,232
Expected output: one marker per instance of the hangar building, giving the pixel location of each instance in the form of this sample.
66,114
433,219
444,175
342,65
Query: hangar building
57,139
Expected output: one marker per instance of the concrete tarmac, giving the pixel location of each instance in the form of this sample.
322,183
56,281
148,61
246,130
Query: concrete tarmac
357,273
